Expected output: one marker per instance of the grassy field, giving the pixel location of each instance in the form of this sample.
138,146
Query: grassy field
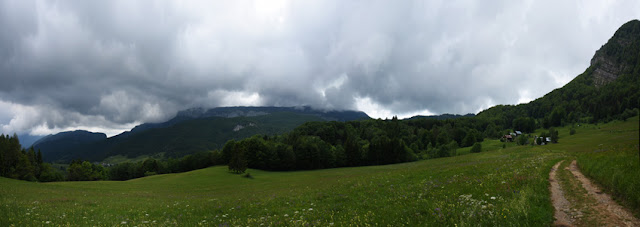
503,187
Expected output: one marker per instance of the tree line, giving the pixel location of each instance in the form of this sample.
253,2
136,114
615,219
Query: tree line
80,170
319,145
24,164
27,164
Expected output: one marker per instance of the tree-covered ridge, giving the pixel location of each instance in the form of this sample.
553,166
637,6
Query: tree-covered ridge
608,89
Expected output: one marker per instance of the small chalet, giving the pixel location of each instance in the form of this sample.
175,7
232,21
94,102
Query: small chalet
508,138
518,133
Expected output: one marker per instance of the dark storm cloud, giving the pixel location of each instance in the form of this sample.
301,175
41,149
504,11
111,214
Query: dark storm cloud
110,65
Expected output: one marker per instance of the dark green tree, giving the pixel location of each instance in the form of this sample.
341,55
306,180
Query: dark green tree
524,124
227,151
238,161
49,174
353,151
468,140
554,135
477,148
557,116
85,171
522,140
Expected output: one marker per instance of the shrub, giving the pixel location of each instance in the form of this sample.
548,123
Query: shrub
477,148
554,135
522,140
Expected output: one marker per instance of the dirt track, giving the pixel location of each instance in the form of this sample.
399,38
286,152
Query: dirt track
604,210
560,203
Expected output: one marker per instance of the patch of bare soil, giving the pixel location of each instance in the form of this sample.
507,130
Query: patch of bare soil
611,213
560,203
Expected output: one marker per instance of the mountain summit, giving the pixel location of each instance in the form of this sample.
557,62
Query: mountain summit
619,55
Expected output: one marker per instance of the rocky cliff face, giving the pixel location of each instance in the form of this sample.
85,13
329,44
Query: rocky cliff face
609,61
605,71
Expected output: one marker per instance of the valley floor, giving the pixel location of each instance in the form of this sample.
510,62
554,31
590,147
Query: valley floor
500,187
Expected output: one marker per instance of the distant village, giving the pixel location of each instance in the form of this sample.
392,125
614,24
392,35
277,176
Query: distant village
537,140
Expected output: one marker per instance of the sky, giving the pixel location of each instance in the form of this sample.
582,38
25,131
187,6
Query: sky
106,66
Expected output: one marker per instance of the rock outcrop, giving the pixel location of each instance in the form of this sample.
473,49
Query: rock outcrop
609,61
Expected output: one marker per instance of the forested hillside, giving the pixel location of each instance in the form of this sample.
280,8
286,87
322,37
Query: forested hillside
61,145
608,89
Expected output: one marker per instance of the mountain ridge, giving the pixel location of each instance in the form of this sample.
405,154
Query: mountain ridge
54,150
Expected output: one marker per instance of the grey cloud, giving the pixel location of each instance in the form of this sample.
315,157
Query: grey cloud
112,64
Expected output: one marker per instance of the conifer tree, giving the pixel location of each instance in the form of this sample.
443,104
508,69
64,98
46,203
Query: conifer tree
238,161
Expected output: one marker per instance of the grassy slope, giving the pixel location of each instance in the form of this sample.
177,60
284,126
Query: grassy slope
500,187
615,164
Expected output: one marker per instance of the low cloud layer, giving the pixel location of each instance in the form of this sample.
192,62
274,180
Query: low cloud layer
107,66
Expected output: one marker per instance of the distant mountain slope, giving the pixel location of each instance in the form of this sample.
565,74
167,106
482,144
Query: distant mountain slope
191,131
205,134
27,140
249,111
58,145
441,116
608,89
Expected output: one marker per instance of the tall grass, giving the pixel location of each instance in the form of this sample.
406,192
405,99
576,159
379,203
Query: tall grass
617,169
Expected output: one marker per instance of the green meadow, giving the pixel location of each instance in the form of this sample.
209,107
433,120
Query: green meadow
497,187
